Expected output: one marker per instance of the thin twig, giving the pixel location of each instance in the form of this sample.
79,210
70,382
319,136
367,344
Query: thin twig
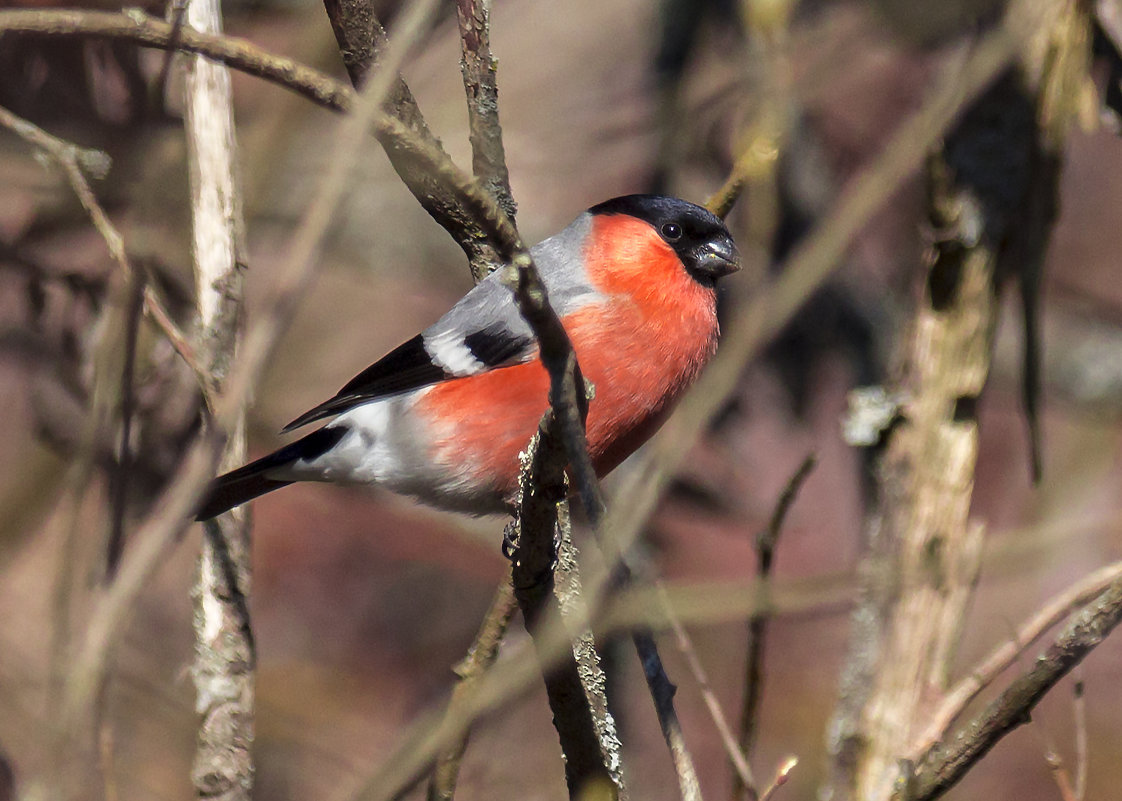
1059,771
180,343
488,160
782,774
137,27
1079,707
697,669
942,766
988,669
119,480
766,542
171,513
178,11
1056,767
482,654
75,163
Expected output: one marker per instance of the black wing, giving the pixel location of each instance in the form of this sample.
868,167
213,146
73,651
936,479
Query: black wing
411,366
406,367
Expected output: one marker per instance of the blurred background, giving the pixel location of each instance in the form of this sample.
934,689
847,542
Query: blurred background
362,601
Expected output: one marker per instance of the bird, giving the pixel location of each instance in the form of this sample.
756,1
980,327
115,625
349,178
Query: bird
444,416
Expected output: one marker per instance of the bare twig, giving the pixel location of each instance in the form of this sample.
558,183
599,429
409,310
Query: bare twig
1059,771
178,12
567,399
180,343
137,27
782,774
546,583
1079,707
685,645
766,542
488,161
482,654
985,672
119,480
172,511
942,766
362,42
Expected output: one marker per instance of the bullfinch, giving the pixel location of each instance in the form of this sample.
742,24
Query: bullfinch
444,416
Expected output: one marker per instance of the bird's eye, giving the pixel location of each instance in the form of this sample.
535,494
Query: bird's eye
671,232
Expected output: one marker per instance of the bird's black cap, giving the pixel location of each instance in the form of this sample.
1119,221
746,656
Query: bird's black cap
698,236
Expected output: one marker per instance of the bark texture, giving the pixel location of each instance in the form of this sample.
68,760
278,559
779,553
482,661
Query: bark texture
224,650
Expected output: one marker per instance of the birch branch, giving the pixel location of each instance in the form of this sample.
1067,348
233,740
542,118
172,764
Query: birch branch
225,655
172,511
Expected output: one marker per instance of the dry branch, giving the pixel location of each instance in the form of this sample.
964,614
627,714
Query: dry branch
737,756
484,650
225,656
766,542
942,766
979,677
362,42
172,512
488,159
547,586
568,401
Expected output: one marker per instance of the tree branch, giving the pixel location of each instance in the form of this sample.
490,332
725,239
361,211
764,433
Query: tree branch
488,159
482,654
547,586
988,669
362,42
946,763
766,542
225,654
568,401
140,28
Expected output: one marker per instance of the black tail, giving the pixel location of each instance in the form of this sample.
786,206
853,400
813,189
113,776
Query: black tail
248,482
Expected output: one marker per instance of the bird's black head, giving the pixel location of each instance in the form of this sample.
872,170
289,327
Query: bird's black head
698,236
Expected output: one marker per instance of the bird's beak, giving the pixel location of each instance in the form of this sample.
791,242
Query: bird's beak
717,257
